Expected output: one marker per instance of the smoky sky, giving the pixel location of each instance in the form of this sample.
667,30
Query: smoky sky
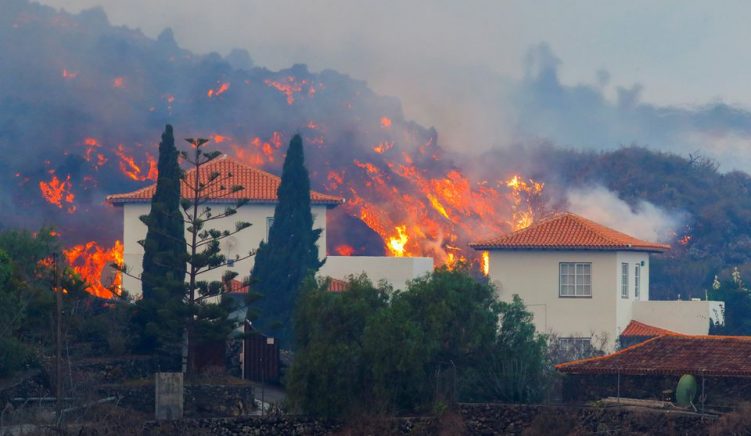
669,75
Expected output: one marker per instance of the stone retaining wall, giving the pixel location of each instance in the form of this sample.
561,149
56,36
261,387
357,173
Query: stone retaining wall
483,419
200,400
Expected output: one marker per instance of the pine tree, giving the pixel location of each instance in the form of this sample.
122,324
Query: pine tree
207,321
160,315
291,254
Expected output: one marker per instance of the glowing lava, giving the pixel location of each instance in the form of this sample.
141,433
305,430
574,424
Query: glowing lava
397,243
224,87
93,264
130,168
521,192
58,192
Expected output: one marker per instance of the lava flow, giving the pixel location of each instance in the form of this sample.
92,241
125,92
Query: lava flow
58,192
93,264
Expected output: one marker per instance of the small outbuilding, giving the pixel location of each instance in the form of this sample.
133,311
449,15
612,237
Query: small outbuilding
651,370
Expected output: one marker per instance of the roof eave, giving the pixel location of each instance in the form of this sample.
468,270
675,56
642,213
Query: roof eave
491,247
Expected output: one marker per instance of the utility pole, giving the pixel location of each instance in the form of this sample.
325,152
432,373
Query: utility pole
58,340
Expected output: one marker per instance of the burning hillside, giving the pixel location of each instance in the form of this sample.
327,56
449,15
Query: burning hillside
86,111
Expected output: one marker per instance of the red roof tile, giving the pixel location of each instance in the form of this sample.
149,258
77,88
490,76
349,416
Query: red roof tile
336,285
639,329
237,287
567,231
258,186
673,355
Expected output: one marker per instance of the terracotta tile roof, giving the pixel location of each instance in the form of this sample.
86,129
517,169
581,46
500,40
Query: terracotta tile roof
673,355
567,231
639,329
259,186
336,285
237,287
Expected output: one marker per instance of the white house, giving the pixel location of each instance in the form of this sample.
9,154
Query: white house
260,189
395,270
582,280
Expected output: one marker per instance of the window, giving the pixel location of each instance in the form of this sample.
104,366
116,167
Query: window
575,279
637,281
269,223
575,348
624,280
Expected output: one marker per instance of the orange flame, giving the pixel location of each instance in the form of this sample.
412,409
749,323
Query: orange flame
224,87
383,147
130,168
290,86
397,243
118,82
93,263
385,122
58,192
486,263
344,250
522,214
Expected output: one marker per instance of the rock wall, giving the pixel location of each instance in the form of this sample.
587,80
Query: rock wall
484,419
200,400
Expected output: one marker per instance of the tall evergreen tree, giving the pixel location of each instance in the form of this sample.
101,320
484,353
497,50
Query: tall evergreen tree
164,247
160,314
291,254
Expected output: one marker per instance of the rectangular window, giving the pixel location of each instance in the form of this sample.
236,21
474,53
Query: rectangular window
575,279
624,280
637,281
575,345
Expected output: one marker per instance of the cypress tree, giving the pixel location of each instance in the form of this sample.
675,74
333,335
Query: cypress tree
159,315
291,254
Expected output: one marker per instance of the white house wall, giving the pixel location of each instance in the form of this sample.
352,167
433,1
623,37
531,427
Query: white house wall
239,244
534,276
687,317
625,306
394,270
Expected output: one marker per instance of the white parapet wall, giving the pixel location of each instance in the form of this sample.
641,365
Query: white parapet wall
394,270
687,317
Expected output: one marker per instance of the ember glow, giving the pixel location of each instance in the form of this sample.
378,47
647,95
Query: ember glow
67,74
118,82
221,89
421,210
290,87
344,250
58,192
93,263
130,168
521,193
397,243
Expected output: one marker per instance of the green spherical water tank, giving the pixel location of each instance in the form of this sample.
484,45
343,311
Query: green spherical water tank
686,390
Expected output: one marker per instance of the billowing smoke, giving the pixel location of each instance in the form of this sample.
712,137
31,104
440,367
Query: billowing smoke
643,220
81,117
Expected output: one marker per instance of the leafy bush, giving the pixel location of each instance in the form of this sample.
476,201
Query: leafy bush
445,339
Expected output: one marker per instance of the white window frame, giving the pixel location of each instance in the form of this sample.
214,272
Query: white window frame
624,280
575,280
637,281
